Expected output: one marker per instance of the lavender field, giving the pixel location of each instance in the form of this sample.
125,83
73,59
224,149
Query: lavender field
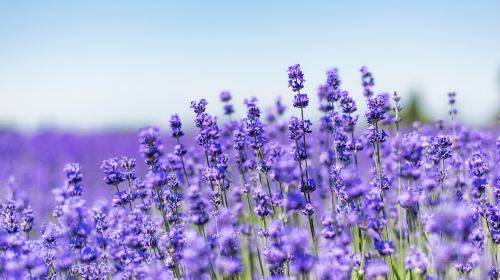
351,195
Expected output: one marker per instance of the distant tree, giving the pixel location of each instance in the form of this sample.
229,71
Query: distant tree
412,110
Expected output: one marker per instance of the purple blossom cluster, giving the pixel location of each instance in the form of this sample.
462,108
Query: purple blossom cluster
265,197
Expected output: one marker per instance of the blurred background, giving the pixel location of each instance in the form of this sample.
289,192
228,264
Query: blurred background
78,78
97,65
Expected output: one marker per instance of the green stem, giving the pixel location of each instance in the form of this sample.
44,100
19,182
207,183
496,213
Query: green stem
183,165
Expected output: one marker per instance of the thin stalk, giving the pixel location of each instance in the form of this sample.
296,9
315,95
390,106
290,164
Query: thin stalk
250,258
130,190
379,157
442,183
301,170
333,200
208,165
261,157
305,146
313,234
103,248
334,135
258,255
162,210
355,149
183,165
265,229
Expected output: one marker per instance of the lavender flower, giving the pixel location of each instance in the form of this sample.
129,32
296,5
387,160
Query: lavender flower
176,126
440,149
199,107
333,86
27,219
236,207
198,212
347,104
151,148
280,108
263,206
385,248
367,81
229,262
73,185
376,109
296,244
300,100
297,128
225,96
197,256
295,77
275,254
376,269
113,175
417,261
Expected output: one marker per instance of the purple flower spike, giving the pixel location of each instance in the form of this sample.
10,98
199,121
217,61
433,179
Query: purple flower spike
295,77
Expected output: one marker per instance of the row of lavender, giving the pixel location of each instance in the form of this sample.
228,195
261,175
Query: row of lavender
33,162
268,197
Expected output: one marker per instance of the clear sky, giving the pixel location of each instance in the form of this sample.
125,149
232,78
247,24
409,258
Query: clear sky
93,64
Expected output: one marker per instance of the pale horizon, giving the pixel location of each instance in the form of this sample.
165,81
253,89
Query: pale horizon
93,65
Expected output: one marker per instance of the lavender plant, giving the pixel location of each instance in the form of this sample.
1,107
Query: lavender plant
262,197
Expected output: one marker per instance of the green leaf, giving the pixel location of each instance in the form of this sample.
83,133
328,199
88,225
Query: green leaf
396,273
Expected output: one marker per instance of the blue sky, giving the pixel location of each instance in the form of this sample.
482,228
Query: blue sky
94,64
